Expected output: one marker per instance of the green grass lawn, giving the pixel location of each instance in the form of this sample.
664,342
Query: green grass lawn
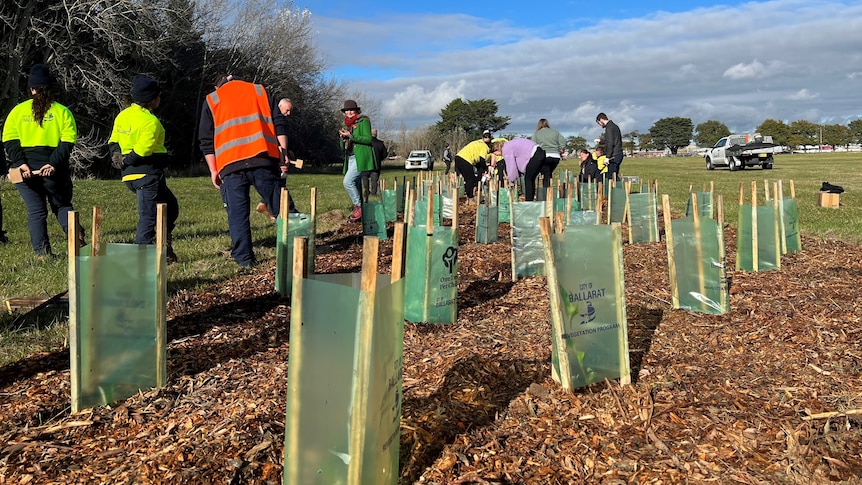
201,237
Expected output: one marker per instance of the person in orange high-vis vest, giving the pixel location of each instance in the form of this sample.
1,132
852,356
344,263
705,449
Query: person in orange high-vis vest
241,132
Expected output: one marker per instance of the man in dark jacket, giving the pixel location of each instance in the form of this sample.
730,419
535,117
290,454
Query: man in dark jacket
613,144
371,179
241,134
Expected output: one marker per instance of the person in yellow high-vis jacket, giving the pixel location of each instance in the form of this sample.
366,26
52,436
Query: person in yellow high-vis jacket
38,136
137,146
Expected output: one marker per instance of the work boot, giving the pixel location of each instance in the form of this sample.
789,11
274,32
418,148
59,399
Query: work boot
170,255
261,207
357,213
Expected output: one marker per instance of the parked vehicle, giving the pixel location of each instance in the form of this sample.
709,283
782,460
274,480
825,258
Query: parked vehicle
419,159
739,151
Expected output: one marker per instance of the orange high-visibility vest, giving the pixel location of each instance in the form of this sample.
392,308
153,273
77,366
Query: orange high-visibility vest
242,123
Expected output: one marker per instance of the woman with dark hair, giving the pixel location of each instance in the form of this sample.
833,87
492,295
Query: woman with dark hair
38,136
589,168
554,145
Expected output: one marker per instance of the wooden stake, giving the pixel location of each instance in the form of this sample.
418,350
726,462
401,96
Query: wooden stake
671,260
549,202
96,233
512,233
408,206
74,318
739,215
362,381
754,243
161,294
622,336
294,370
559,222
565,375
698,248
455,207
429,243
779,196
777,232
610,201
399,252
719,217
628,215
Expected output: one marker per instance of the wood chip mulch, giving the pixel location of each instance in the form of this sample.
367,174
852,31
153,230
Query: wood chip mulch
770,393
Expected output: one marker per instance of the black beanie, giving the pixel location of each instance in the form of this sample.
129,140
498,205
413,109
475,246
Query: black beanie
39,76
144,89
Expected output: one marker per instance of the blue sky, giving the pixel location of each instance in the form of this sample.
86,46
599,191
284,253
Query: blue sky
736,62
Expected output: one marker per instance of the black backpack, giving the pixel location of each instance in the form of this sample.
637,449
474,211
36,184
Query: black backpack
832,189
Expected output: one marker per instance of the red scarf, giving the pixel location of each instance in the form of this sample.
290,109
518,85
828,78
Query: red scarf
350,121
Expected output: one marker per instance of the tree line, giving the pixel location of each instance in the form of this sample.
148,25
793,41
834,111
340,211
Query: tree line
463,121
95,47
677,132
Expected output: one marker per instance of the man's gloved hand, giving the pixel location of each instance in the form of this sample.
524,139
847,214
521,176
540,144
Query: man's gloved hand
117,160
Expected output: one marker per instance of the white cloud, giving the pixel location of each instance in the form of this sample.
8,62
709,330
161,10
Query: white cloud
415,100
752,70
636,70
804,94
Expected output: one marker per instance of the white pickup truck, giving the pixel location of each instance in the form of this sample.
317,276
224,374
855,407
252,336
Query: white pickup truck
739,151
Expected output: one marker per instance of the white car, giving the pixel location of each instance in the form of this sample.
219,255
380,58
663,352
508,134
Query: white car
419,159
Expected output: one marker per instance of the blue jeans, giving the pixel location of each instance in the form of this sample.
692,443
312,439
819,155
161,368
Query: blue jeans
353,181
2,232
151,191
38,193
235,195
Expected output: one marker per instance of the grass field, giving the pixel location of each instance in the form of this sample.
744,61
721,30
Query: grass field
201,237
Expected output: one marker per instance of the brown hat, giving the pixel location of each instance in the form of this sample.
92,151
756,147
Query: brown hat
350,104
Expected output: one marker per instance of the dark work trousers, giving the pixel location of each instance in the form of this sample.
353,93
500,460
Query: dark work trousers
152,190
531,172
2,232
235,189
291,207
547,169
448,164
38,193
370,182
614,167
471,174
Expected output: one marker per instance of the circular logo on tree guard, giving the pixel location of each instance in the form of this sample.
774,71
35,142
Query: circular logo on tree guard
450,256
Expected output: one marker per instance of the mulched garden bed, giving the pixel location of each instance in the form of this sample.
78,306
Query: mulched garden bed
769,393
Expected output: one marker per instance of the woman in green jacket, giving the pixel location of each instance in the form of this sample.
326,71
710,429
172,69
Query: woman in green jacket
358,153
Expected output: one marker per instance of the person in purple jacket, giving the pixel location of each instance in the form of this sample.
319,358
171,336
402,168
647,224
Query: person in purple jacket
523,157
